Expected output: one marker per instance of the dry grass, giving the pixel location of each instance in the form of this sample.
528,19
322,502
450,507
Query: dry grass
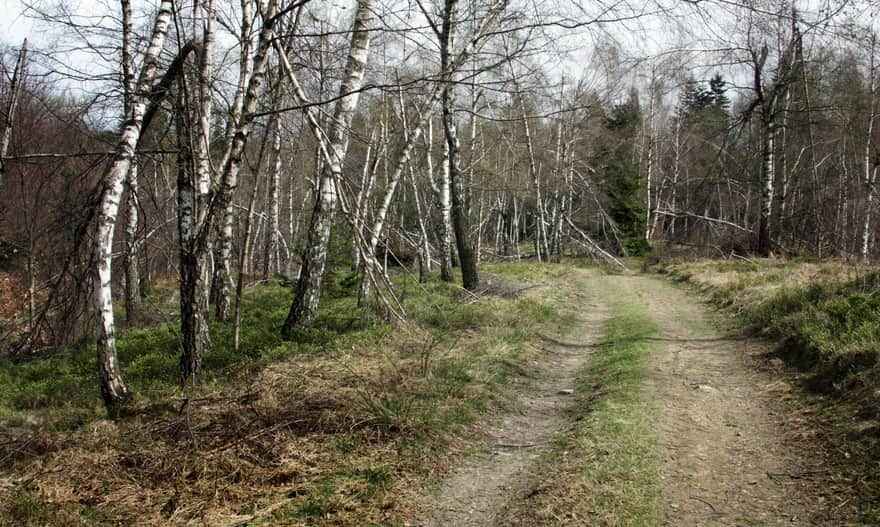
604,472
342,437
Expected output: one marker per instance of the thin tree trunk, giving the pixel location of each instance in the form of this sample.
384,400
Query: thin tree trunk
113,389
272,260
364,195
131,261
308,291
221,283
14,93
424,247
649,171
205,232
767,175
247,238
870,168
445,204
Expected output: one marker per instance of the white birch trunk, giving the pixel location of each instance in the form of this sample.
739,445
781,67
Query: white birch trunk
870,168
457,185
308,291
445,205
767,175
196,336
364,195
222,284
131,260
14,90
113,389
273,261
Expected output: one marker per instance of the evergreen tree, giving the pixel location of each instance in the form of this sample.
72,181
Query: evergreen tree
622,183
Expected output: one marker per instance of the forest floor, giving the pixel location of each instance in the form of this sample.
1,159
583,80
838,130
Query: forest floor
558,395
720,441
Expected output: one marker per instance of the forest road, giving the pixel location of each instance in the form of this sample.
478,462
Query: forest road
724,454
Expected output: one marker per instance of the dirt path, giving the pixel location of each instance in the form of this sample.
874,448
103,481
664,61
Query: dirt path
478,492
725,456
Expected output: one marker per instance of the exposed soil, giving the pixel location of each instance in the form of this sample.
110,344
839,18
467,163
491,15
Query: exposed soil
477,493
730,449
729,453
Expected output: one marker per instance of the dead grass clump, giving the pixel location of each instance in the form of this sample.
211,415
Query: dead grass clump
497,287
323,436
344,433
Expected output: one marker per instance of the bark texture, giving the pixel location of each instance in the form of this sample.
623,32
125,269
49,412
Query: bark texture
14,90
113,389
460,220
222,284
131,261
308,290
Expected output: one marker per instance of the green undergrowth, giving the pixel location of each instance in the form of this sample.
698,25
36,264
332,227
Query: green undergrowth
605,472
331,428
824,318
62,391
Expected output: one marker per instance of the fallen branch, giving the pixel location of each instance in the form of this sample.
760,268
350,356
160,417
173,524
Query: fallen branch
680,214
701,500
594,247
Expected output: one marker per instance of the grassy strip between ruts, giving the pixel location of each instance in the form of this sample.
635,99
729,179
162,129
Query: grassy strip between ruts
340,427
605,472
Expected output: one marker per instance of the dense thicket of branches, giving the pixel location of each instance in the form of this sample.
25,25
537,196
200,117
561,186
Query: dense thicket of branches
289,138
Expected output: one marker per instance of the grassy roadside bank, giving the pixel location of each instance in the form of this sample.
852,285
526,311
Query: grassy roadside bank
824,321
338,428
605,472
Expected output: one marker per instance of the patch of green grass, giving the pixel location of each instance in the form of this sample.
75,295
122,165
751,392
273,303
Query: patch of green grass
30,507
606,470
61,392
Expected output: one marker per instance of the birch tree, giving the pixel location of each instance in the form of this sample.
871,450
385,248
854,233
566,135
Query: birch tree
130,262
11,105
460,219
870,165
221,283
769,95
113,389
314,260
194,255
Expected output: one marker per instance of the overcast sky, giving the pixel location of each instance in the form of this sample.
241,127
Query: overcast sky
568,52
13,26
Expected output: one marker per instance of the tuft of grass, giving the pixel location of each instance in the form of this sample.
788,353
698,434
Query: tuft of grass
606,472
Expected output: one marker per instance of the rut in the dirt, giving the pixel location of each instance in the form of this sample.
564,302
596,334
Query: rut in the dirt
479,491
725,457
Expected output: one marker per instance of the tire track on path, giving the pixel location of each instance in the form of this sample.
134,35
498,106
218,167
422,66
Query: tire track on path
478,492
726,457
